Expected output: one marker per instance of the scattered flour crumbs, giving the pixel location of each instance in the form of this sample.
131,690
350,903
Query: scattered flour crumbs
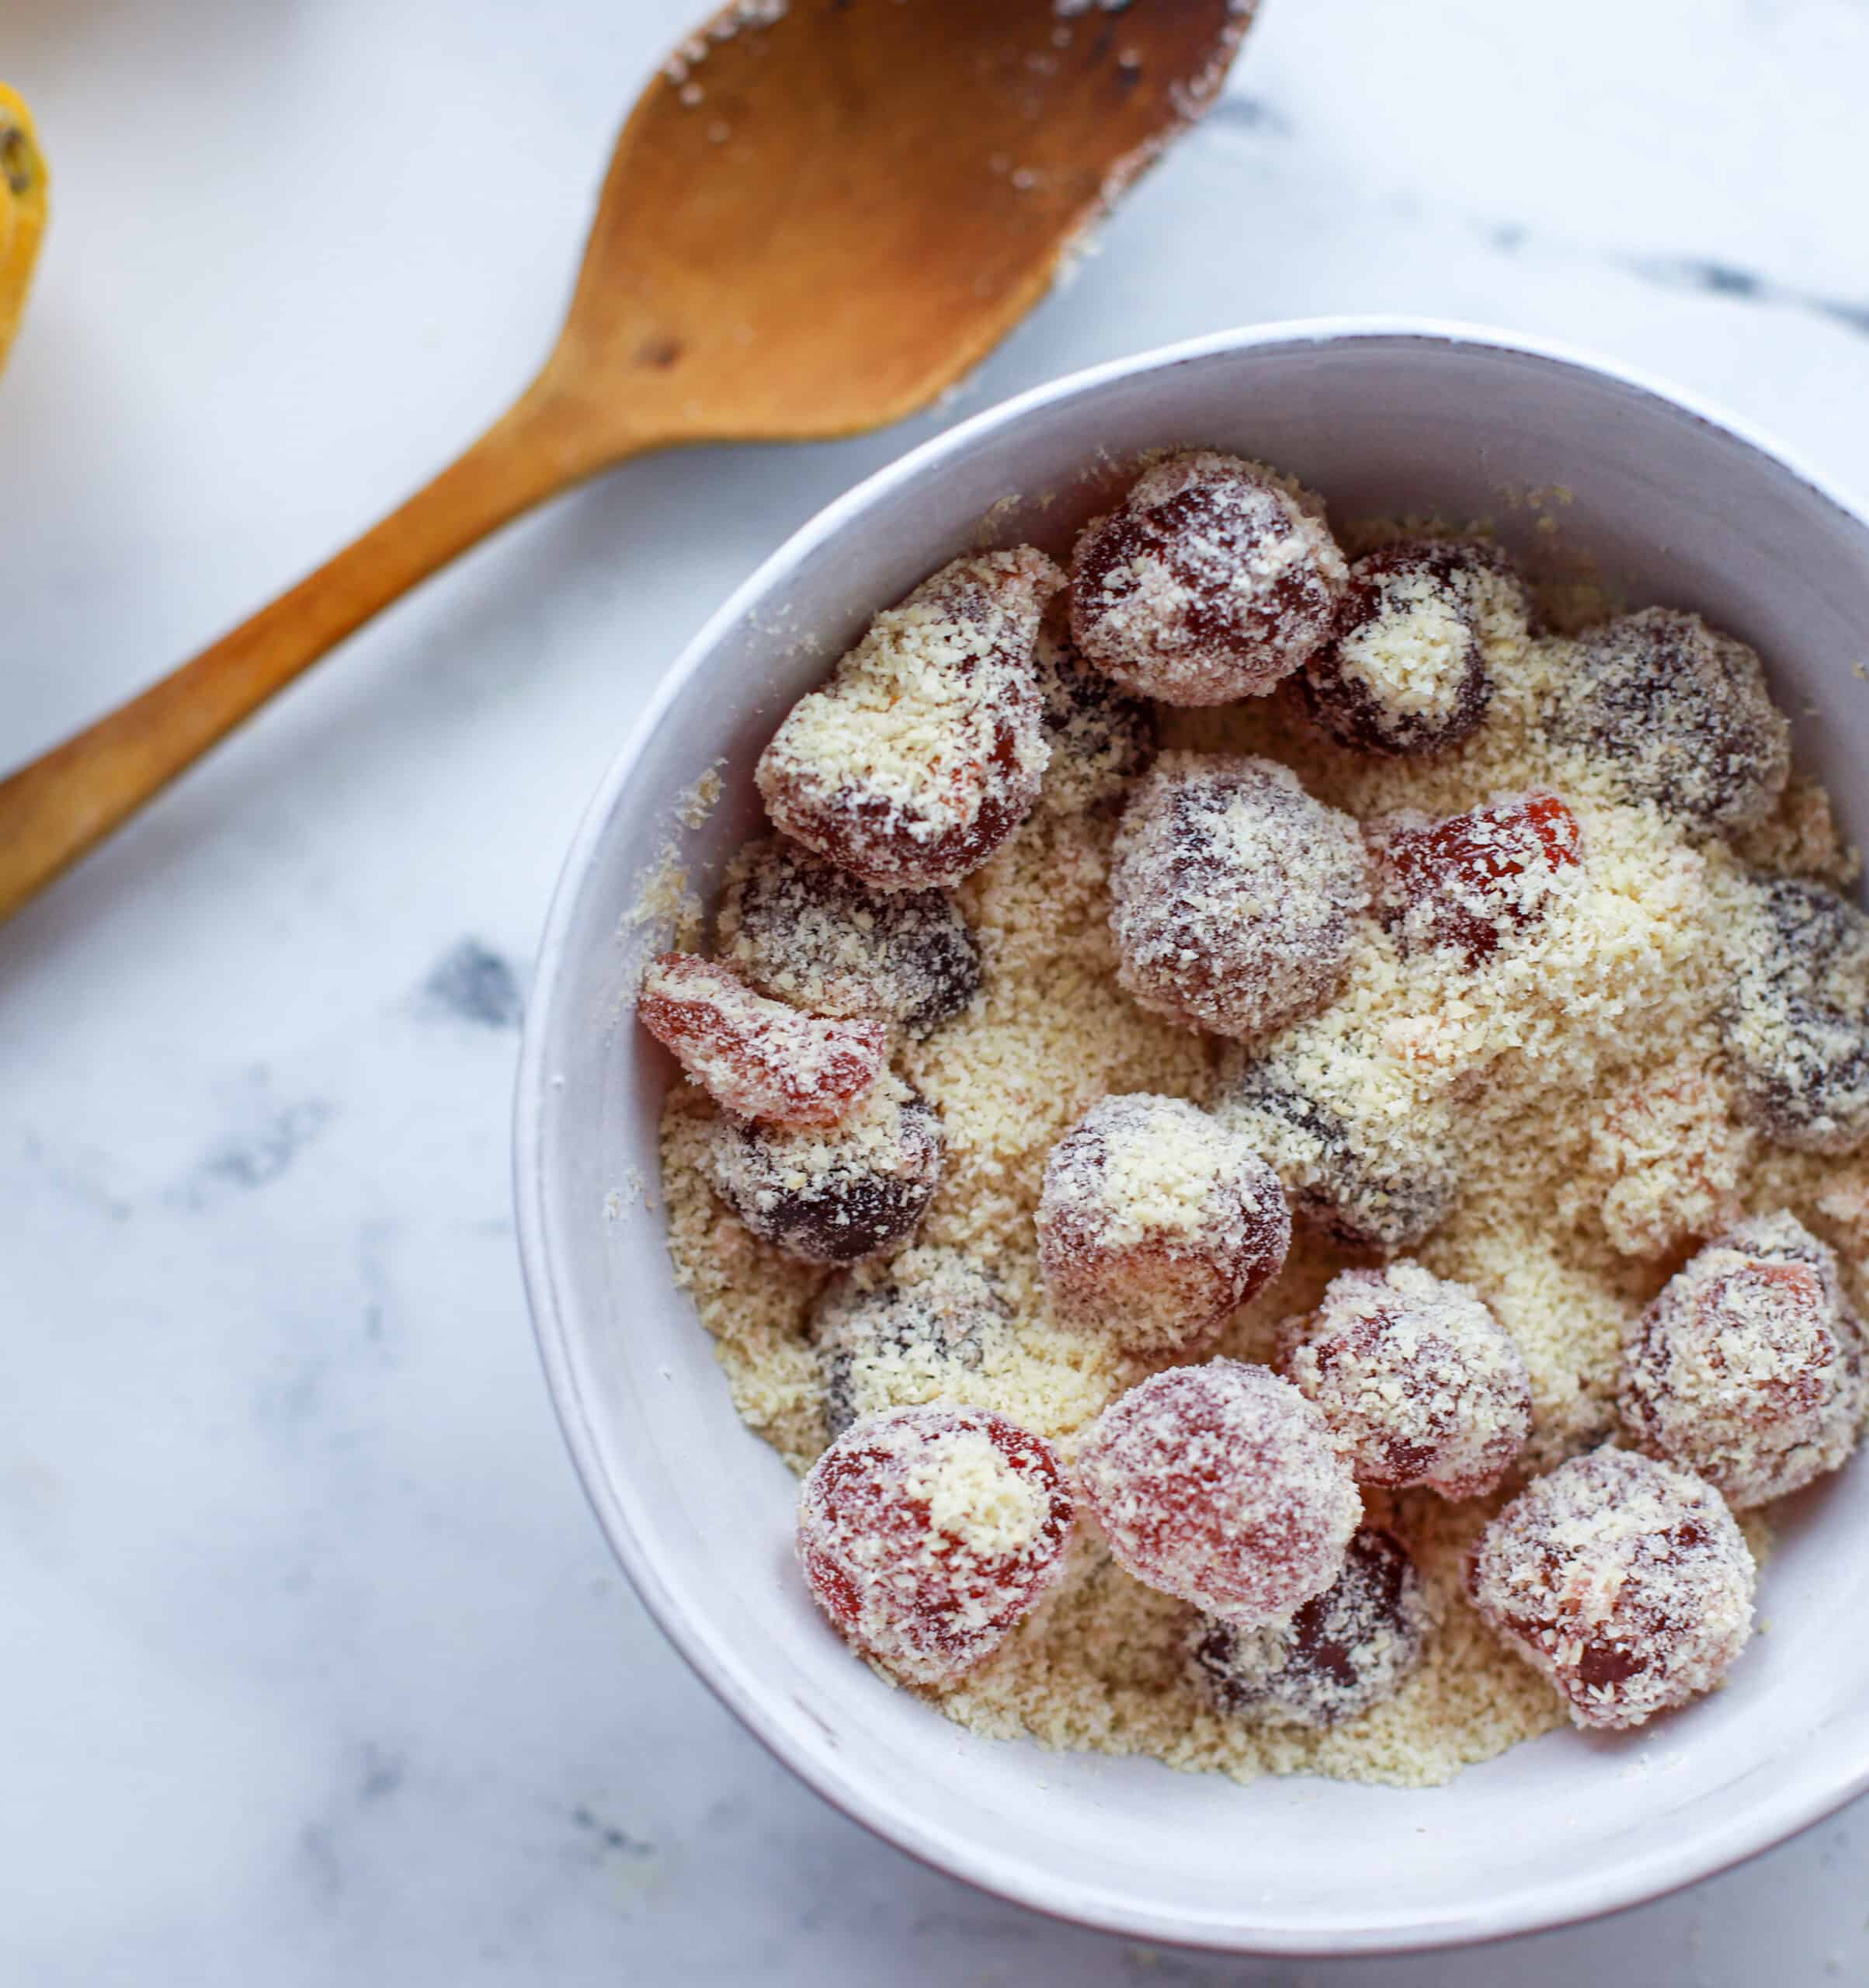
1577,1075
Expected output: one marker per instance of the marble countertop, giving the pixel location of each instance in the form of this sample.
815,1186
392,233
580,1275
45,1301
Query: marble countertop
313,1665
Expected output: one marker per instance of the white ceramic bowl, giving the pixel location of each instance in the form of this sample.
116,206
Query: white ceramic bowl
1381,417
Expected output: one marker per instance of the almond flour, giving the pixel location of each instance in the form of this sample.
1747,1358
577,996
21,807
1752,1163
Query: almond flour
1566,1103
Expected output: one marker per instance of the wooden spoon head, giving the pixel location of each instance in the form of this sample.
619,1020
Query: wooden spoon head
814,224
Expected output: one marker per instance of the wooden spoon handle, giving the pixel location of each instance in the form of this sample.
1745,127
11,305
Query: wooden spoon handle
57,807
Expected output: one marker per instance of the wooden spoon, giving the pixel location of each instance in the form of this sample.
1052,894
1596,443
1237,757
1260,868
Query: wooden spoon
816,218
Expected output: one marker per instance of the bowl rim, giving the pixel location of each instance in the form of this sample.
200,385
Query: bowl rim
1828,1782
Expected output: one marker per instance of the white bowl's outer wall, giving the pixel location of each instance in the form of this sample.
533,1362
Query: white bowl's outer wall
1381,418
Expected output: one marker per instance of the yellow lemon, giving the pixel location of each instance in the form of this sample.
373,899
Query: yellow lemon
22,210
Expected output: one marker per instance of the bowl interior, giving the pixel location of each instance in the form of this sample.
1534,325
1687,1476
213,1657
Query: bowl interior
1668,503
